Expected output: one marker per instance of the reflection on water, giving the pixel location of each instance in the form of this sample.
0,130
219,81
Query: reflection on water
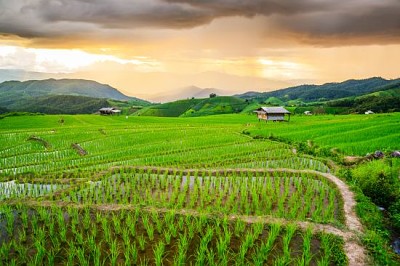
12,189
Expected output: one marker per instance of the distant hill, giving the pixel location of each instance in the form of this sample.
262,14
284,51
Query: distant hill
35,94
328,91
64,104
189,92
385,100
22,75
196,107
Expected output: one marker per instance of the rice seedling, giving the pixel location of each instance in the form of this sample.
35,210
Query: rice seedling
114,252
142,242
159,253
307,255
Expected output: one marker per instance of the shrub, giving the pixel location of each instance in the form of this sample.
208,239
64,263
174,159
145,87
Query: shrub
377,182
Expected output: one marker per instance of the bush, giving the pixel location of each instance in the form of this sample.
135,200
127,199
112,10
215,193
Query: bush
377,182
378,248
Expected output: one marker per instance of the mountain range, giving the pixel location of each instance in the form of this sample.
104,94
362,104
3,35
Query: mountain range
325,92
60,96
87,96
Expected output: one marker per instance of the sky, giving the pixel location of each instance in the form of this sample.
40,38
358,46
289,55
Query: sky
154,48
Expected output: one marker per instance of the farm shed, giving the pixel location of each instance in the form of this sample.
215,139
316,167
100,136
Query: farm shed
272,113
109,111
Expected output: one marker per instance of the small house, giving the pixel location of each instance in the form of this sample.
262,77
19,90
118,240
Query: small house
109,111
369,112
272,113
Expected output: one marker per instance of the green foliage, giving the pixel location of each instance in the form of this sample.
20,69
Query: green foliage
196,107
376,237
16,95
377,182
274,101
369,214
250,107
64,104
328,91
377,104
378,248
171,109
394,211
337,250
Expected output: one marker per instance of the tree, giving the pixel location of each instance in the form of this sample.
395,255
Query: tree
212,95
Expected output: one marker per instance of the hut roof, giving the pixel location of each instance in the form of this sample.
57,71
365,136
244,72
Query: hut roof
273,110
106,109
109,109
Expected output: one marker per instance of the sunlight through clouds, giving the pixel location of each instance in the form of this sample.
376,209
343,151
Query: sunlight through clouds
65,61
284,69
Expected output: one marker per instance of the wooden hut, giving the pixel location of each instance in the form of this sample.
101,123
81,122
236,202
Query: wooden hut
272,113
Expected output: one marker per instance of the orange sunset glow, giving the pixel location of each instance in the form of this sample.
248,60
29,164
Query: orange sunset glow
150,48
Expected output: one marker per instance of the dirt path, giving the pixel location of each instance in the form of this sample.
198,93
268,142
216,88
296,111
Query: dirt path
354,251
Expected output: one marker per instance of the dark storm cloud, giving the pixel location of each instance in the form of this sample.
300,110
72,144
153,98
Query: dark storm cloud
315,19
256,7
370,21
45,18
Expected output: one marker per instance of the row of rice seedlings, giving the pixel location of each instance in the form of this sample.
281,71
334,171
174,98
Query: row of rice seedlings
286,195
56,161
210,149
223,154
54,235
12,189
300,163
210,156
63,151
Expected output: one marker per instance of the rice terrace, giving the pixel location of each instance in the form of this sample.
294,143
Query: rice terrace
199,133
213,190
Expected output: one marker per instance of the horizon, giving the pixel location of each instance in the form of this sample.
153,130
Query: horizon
152,49
208,90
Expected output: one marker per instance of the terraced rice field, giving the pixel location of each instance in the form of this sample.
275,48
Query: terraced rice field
159,191
352,134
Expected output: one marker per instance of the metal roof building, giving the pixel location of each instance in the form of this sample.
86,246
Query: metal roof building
272,113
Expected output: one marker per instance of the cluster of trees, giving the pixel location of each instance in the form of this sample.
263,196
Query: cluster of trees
328,91
65,104
377,104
